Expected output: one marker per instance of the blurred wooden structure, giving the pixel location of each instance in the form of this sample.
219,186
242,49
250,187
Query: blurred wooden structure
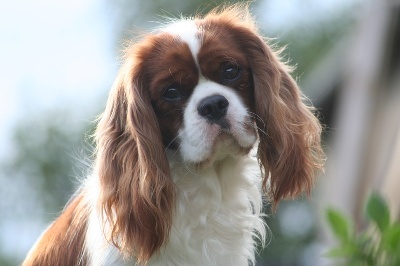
361,76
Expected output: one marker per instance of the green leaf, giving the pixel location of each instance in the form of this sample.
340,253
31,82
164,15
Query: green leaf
378,211
344,251
391,238
339,225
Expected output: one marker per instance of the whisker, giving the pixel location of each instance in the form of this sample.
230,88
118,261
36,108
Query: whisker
172,141
189,170
256,116
262,131
258,128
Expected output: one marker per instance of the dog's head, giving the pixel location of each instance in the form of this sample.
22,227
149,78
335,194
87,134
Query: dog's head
206,88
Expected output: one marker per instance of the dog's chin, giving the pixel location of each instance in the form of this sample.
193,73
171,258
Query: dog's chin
223,146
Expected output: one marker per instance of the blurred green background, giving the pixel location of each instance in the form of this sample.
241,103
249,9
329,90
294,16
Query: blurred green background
60,59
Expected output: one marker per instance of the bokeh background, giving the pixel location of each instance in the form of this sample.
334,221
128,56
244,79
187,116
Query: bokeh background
58,60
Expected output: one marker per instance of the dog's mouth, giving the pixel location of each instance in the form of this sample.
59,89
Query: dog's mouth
214,141
225,145
224,124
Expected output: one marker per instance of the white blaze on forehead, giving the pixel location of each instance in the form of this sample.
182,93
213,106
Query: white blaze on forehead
187,31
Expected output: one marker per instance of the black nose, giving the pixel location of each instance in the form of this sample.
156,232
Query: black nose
213,107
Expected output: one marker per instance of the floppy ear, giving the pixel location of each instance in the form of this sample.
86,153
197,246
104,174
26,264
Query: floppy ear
289,133
136,191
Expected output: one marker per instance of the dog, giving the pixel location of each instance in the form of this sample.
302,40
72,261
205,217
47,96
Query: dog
203,119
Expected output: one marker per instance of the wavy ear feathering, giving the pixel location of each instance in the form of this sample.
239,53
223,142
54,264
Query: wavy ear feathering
137,193
289,133
289,149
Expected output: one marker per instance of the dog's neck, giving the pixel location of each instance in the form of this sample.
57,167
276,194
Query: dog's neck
218,207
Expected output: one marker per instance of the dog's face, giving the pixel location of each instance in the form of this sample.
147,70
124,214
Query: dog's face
200,87
206,88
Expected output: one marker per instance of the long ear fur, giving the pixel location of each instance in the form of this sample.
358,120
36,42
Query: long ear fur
289,149
289,133
136,191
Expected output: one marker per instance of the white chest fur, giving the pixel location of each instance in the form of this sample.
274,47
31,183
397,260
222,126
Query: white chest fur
217,221
218,215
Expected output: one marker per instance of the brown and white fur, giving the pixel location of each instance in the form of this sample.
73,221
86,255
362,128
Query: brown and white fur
202,118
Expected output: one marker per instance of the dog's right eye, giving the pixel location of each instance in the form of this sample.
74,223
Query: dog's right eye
230,73
172,93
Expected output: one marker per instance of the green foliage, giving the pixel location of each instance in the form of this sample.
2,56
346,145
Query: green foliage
340,226
378,245
47,156
378,212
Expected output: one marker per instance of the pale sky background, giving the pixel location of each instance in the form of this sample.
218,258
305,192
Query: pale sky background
61,55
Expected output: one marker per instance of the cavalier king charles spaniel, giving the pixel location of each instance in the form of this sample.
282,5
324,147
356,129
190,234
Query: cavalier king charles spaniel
203,118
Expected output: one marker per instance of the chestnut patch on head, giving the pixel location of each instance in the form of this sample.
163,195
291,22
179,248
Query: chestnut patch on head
222,60
170,74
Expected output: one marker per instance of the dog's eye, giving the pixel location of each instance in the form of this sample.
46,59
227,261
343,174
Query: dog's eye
172,93
230,72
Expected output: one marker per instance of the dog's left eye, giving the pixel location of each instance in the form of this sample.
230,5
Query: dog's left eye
230,72
172,93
